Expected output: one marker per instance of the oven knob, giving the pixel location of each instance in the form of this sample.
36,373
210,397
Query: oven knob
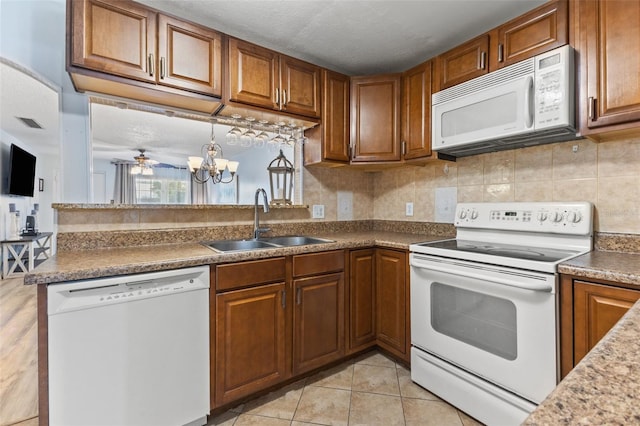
557,217
575,217
542,216
462,214
474,214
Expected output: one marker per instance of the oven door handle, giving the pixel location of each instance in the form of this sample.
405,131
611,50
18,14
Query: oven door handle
528,286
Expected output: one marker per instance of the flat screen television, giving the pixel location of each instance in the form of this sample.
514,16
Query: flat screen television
22,172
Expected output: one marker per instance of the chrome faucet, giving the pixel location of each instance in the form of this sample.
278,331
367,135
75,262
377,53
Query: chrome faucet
256,221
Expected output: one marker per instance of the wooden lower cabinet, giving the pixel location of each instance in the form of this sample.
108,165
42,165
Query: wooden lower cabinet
250,341
318,321
588,311
362,300
392,297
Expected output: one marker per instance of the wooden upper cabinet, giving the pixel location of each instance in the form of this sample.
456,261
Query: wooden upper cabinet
328,143
190,56
416,112
535,32
609,51
114,37
119,38
262,77
375,118
299,87
462,63
540,30
254,74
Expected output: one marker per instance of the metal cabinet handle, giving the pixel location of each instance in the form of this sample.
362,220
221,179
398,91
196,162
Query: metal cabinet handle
283,293
592,108
298,296
278,97
284,98
162,67
403,148
483,60
151,65
500,52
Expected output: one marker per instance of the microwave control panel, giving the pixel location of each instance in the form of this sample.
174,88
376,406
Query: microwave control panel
554,81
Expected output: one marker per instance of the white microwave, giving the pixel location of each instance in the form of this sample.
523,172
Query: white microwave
527,103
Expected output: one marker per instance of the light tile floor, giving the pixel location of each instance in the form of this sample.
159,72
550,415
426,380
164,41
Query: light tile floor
369,390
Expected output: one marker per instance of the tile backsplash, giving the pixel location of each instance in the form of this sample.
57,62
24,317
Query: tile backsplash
606,174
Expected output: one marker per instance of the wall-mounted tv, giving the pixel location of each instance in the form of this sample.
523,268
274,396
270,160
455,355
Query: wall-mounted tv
22,172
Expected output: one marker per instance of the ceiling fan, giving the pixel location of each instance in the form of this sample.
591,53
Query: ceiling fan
143,164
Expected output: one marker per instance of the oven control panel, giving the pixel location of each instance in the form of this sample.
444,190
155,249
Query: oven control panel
553,217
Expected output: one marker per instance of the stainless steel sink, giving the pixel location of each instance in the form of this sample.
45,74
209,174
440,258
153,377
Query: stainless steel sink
295,240
263,243
238,245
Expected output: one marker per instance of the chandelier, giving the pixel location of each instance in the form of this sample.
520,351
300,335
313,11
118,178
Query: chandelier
211,165
143,164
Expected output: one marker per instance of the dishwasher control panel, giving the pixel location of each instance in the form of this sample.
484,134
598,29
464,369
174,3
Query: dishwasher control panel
76,295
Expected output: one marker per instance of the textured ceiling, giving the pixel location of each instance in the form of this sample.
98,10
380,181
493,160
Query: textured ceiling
353,37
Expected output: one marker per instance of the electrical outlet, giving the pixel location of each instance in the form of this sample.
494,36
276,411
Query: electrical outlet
408,211
318,211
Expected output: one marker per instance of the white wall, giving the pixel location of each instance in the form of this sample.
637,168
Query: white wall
32,34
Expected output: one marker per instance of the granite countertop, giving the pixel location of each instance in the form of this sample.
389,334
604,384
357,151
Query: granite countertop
85,264
603,265
604,387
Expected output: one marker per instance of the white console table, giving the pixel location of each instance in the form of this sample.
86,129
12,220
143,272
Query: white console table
20,254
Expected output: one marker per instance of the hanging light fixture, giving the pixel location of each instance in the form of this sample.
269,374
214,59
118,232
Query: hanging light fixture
212,165
281,179
143,164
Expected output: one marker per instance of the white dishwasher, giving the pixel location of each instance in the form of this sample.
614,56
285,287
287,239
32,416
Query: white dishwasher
130,350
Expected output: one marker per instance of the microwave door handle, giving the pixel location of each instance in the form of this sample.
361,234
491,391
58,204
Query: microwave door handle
528,107
541,287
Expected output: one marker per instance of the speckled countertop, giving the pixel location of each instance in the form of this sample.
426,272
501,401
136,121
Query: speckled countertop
602,265
605,386
84,264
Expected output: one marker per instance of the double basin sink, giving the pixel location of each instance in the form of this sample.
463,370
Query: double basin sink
225,246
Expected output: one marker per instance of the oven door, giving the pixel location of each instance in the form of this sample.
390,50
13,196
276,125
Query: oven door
495,322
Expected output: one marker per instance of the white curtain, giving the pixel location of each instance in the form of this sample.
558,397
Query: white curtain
199,191
125,187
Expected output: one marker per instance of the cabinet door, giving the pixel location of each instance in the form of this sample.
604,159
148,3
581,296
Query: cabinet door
596,309
335,116
375,118
538,31
462,63
250,341
416,112
116,38
190,56
610,63
299,87
362,299
253,74
318,321
391,297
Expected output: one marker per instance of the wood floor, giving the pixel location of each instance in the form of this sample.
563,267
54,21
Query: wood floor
18,354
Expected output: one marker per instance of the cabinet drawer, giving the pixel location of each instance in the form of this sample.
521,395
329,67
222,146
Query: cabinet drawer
318,263
243,274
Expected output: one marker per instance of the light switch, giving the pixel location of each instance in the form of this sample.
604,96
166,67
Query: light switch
345,205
